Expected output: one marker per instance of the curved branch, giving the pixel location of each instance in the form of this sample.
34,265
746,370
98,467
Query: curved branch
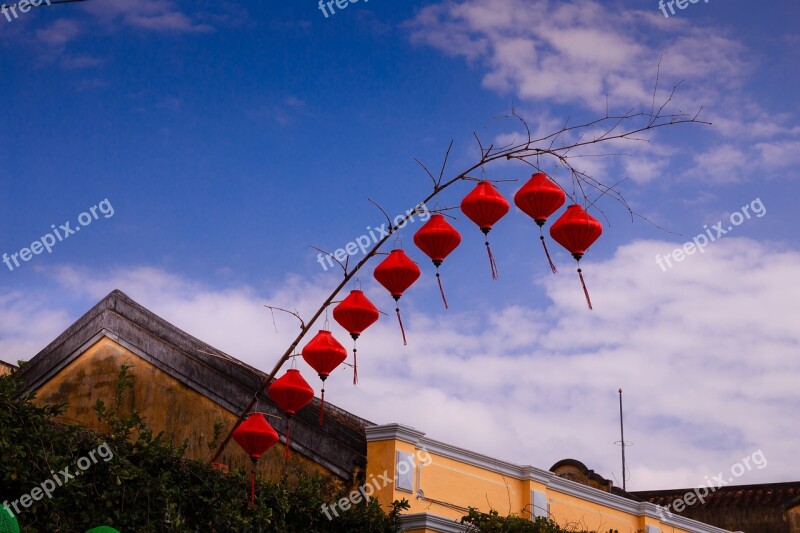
521,151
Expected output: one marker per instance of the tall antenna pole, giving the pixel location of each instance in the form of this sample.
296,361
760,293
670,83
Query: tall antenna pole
622,438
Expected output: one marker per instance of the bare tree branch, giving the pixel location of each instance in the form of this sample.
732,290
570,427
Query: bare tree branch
444,164
626,126
388,218
293,313
435,183
327,253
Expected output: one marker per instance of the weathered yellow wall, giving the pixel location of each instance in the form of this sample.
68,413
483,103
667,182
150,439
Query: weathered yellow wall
380,459
165,403
466,485
5,369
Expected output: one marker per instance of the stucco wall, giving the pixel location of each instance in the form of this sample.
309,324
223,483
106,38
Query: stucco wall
165,403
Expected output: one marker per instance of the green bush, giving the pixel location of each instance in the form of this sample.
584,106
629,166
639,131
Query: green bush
492,522
148,486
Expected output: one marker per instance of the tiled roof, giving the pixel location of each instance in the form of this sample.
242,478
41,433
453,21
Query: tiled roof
225,380
780,495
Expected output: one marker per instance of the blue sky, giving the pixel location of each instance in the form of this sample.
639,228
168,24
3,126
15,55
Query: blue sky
228,136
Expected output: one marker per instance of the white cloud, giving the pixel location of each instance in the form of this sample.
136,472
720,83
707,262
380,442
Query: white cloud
59,33
574,53
577,53
706,353
154,15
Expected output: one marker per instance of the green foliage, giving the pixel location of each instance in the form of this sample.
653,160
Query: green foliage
148,486
492,522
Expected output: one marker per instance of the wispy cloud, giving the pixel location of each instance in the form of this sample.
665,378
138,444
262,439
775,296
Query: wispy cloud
154,15
577,55
539,383
59,33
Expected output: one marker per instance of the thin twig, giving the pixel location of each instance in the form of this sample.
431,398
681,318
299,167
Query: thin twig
388,219
293,313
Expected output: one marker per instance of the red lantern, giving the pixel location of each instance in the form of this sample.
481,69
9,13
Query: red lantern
255,436
437,238
397,273
355,314
540,198
324,353
291,392
485,206
576,230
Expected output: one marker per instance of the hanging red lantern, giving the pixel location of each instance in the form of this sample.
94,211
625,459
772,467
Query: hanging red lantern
540,198
255,436
437,238
291,392
355,314
485,206
324,353
576,230
397,273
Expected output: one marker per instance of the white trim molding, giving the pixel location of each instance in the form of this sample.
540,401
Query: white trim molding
527,472
430,522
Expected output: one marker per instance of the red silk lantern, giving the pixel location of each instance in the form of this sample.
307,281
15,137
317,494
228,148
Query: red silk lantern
576,230
255,436
291,392
397,273
485,206
437,238
355,314
324,353
540,198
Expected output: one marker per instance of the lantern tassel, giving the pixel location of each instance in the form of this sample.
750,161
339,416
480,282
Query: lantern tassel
322,408
441,290
552,266
491,260
585,290
402,329
355,365
253,484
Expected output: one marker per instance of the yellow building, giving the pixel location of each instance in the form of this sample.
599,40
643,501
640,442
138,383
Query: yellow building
183,386
6,368
442,481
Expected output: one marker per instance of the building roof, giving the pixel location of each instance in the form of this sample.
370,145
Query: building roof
778,495
340,446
